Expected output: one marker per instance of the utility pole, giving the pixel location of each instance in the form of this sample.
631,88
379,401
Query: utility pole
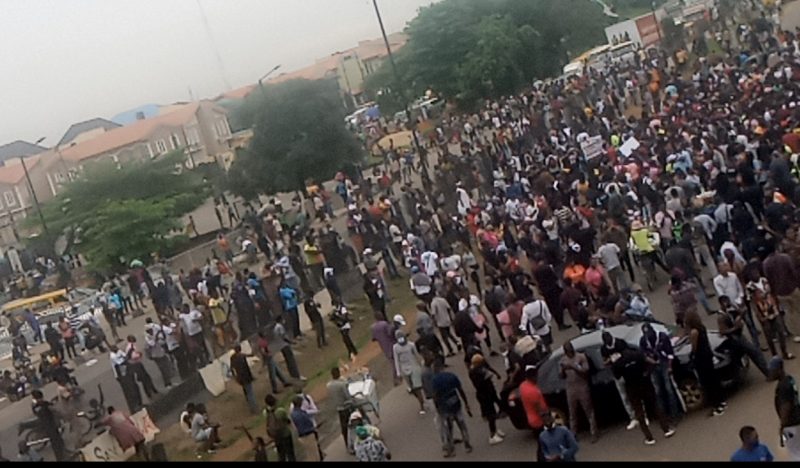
413,125
261,80
33,195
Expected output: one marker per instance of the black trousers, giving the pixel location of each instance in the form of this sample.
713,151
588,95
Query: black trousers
285,449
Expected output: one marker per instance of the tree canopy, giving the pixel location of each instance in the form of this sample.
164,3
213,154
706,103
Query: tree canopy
114,214
299,133
468,49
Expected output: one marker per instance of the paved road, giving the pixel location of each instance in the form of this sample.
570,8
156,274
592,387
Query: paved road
92,369
790,17
412,437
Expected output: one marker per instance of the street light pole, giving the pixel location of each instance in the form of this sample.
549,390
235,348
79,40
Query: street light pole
261,80
417,147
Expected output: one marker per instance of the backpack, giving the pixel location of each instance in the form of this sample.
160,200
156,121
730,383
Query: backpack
273,425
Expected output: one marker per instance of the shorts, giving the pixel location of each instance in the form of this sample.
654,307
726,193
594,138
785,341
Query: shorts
414,379
204,434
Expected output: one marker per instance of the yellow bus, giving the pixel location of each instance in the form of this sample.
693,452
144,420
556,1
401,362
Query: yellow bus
43,304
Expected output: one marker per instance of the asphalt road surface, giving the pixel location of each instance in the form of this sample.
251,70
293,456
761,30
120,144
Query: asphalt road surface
413,437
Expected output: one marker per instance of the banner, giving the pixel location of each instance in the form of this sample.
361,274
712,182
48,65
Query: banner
104,448
631,145
592,147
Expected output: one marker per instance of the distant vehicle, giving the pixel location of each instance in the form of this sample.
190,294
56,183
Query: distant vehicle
623,53
573,69
730,371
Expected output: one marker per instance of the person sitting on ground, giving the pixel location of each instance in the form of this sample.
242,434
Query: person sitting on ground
203,431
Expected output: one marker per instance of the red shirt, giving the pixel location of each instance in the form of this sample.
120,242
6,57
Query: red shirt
533,402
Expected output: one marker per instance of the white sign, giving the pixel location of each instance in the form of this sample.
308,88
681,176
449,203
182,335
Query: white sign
592,147
105,448
631,145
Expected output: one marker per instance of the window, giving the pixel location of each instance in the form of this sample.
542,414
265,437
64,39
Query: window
221,128
175,140
193,136
161,147
11,200
60,177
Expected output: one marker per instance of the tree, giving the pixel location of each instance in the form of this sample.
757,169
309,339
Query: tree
470,49
299,134
112,214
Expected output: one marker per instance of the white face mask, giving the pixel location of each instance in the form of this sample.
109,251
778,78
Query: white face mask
401,341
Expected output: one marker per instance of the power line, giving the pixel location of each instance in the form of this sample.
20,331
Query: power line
213,44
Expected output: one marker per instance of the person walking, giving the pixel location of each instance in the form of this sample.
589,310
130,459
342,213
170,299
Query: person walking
368,448
442,317
192,326
480,373
306,429
448,395
279,429
341,318
339,396
274,372
787,406
574,368
240,369
280,344
768,314
534,404
384,334
536,319
312,308
751,450
407,363
45,414
68,336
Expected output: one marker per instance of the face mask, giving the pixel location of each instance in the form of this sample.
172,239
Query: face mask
402,341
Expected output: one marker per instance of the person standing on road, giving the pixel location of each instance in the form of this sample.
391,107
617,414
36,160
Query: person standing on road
339,396
787,405
306,430
631,366
730,323
384,333
557,442
192,321
611,351
370,449
447,397
536,319
125,377
574,368
279,429
480,374
702,358
534,404
274,372
135,365
290,304
156,350
43,410
780,271
751,450
407,364
240,369
659,354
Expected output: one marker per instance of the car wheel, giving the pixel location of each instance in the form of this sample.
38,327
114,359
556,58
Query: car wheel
692,394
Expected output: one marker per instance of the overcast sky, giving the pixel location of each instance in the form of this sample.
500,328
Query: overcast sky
64,61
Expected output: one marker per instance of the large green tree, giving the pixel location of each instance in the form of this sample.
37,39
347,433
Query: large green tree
469,49
299,133
113,215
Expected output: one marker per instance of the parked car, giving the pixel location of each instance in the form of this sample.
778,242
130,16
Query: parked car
607,402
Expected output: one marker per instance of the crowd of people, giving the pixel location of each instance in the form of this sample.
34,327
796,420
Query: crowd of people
521,225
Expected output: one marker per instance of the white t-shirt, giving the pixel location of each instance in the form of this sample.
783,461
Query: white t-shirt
529,312
190,322
430,262
396,233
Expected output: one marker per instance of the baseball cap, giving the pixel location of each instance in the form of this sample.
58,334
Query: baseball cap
399,319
